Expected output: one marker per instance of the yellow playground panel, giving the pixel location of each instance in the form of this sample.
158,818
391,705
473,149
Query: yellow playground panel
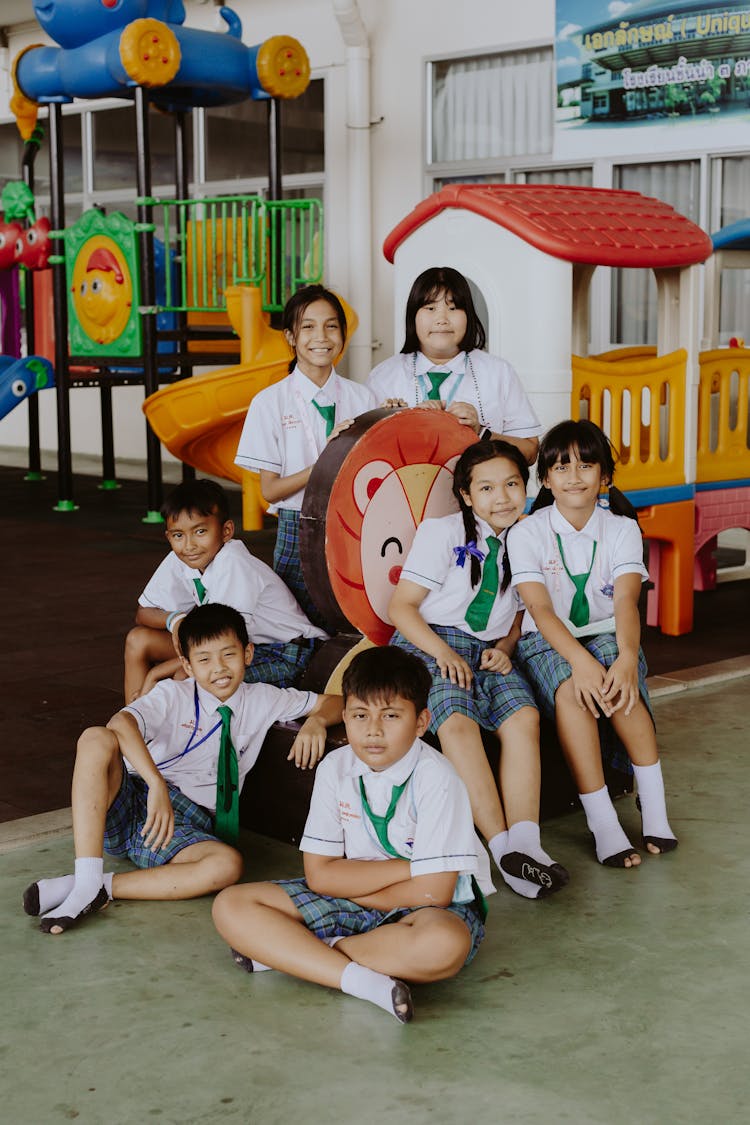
723,437
638,399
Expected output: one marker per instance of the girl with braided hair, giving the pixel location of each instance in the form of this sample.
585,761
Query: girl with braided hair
454,606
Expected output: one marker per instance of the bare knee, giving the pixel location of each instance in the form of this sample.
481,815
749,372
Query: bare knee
97,746
523,723
440,947
233,902
456,724
223,868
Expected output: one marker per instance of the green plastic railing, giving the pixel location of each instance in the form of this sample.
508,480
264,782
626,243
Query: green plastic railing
228,240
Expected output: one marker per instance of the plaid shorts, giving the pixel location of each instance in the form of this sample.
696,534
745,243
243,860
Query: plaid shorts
491,699
287,563
280,664
546,670
127,814
339,917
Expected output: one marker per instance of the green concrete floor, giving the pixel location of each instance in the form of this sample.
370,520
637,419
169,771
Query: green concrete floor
624,999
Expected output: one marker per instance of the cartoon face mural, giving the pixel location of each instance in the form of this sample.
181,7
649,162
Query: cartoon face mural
397,471
9,236
33,246
102,289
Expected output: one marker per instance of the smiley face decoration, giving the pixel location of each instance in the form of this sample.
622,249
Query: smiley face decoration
102,267
368,492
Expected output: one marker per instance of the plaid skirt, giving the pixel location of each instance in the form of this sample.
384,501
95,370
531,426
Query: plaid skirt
127,814
491,698
340,917
280,664
288,565
546,670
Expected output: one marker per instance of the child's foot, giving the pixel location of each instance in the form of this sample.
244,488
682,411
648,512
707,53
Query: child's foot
388,993
613,848
549,876
248,964
72,910
46,894
656,844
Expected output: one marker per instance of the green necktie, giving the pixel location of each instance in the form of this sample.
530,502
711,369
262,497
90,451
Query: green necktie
328,414
478,613
227,821
437,378
380,823
201,589
579,607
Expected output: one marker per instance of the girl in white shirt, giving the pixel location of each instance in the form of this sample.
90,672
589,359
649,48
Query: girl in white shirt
289,423
578,565
442,365
454,607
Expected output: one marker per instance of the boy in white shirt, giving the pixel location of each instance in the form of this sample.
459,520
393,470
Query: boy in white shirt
417,912
162,780
206,564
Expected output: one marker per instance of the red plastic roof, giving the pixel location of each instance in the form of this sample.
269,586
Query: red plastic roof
595,226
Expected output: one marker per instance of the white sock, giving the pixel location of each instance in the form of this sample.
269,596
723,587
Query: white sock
89,878
498,847
366,984
51,893
524,837
653,802
602,820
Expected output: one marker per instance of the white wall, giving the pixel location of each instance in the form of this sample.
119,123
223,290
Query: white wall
403,34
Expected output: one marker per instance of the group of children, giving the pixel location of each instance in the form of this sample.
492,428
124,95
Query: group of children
496,617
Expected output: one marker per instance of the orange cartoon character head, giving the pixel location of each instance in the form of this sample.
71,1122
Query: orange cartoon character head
394,470
102,290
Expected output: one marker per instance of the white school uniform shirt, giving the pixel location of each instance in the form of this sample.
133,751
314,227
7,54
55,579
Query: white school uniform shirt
166,718
432,826
486,381
284,433
432,562
235,578
535,557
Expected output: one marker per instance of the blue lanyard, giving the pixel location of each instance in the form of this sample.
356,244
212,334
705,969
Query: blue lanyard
191,744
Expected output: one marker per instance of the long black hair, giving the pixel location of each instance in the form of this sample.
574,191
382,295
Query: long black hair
299,302
477,454
593,446
426,289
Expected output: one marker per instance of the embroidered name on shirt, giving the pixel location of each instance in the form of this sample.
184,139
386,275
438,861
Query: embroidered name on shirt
347,813
290,421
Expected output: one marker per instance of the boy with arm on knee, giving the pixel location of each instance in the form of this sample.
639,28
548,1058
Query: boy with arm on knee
160,784
206,564
361,926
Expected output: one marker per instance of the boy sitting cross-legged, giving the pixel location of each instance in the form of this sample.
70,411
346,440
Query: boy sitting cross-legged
361,926
162,780
206,564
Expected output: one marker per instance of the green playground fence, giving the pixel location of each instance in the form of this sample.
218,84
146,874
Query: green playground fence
226,240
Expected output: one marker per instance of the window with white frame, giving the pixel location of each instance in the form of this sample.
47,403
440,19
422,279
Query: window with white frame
491,106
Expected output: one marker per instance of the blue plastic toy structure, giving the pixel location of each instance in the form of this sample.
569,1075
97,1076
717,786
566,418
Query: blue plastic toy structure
107,48
20,378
